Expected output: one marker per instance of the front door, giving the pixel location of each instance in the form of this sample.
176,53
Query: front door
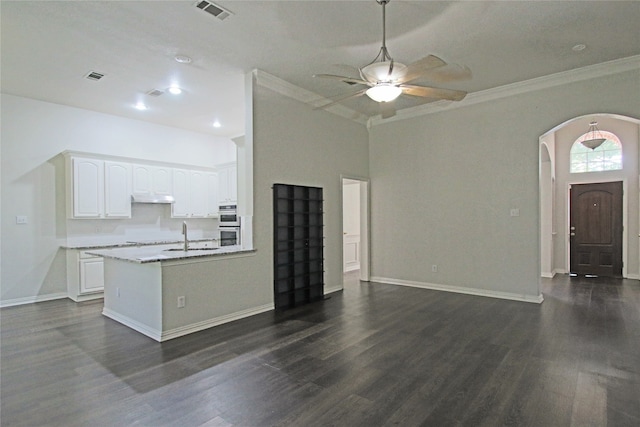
596,229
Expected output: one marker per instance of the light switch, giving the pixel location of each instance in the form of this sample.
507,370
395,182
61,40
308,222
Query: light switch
515,212
21,219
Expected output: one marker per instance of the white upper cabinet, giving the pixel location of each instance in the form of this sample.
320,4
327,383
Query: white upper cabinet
99,189
198,194
228,184
212,194
87,186
152,180
161,179
102,187
141,180
194,191
117,190
180,208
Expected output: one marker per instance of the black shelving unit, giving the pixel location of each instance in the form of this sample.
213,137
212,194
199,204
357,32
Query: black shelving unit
298,262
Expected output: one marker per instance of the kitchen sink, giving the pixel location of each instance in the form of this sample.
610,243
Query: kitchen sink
192,249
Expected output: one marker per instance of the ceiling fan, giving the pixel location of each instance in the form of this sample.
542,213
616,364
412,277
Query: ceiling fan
384,79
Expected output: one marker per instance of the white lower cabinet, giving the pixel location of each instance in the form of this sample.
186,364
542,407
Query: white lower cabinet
91,274
85,275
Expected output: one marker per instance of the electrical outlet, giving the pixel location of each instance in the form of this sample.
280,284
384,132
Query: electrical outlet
434,268
181,302
21,219
118,292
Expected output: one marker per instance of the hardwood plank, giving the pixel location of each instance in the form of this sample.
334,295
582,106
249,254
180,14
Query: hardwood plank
371,355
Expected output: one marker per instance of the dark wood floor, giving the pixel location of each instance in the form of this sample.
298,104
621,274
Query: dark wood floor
371,355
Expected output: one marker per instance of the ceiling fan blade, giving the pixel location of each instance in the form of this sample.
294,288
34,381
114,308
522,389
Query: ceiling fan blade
445,74
433,92
418,68
348,80
387,109
343,98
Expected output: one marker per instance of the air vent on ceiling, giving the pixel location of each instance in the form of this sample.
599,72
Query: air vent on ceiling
155,92
94,75
213,9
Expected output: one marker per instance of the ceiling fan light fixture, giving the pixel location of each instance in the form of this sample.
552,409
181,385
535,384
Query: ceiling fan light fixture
384,92
379,71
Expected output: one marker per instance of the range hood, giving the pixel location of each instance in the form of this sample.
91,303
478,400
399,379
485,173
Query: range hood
152,199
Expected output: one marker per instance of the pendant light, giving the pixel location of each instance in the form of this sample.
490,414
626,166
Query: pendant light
594,137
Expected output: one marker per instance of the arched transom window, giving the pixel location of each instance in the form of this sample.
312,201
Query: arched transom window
606,157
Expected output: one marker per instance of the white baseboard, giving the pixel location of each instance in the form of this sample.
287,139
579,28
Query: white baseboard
136,326
548,275
161,336
633,276
331,290
195,327
461,290
87,297
31,300
352,268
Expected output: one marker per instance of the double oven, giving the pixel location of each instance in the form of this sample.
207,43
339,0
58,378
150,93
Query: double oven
229,225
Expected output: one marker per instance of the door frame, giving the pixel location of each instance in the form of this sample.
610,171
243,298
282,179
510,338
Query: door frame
625,219
365,221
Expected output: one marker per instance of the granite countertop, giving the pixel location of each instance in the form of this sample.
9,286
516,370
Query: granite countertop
156,253
133,243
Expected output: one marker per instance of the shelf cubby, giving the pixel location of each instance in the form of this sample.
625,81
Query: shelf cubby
298,245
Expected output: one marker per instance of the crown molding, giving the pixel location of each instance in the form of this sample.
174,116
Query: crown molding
312,99
545,82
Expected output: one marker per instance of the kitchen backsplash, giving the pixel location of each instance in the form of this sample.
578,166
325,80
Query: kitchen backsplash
147,222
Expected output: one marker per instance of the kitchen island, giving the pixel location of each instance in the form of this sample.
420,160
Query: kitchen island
165,292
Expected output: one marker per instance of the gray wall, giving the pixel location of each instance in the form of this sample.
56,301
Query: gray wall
294,144
443,185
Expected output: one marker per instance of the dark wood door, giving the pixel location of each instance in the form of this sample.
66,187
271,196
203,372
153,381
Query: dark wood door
596,229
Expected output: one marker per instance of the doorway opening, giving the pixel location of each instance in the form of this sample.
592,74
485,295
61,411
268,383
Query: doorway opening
355,227
564,164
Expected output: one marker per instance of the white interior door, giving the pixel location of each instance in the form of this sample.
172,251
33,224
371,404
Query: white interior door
351,225
355,209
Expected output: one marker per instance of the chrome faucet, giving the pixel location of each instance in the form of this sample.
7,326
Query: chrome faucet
184,231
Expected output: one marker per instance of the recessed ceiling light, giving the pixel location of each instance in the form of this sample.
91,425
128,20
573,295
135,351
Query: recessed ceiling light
183,59
141,106
216,124
579,47
175,90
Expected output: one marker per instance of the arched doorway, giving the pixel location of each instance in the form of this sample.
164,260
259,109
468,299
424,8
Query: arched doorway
547,184
556,179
